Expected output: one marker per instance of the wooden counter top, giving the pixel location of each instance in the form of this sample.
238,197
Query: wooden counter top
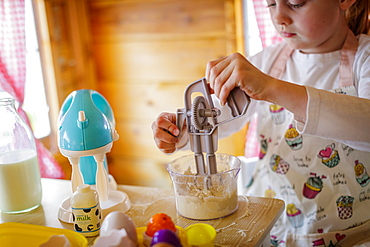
248,226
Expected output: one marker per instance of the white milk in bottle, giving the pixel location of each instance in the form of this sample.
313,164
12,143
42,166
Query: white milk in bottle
20,182
20,187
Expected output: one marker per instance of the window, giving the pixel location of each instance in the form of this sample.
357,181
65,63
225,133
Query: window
252,39
35,103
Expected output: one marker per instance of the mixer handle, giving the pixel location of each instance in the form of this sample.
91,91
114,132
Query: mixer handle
180,119
238,102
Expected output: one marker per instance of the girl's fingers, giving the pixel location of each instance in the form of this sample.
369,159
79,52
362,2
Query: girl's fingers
166,147
164,129
210,69
166,122
219,78
224,84
215,72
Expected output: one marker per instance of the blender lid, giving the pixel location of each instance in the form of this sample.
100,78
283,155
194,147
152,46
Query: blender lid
86,121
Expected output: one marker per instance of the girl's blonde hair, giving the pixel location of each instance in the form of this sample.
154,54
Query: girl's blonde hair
358,17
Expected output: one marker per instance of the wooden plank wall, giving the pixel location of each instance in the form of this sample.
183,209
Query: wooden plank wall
65,49
145,53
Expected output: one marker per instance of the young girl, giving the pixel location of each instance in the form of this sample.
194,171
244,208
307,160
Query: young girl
311,96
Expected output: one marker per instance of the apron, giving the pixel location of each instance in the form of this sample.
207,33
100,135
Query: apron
325,184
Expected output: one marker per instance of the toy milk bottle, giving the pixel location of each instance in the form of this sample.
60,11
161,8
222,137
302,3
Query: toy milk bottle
86,211
20,181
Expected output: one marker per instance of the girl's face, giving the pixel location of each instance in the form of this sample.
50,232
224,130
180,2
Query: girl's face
312,26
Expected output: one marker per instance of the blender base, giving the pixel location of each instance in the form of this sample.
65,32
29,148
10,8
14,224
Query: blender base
117,201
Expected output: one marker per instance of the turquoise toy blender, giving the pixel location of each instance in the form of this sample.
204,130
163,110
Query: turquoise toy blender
86,133
87,129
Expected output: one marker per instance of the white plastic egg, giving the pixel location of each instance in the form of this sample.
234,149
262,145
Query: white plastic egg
118,220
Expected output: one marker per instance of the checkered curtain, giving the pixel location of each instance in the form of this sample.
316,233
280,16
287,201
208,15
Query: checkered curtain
268,36
13,71
267,31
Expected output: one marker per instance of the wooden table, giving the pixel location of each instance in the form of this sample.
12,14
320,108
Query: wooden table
248,226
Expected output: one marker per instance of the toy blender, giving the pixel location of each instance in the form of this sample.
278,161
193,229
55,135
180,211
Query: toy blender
86,133
205,183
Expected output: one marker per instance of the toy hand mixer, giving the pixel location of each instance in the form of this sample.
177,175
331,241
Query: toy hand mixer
201,119
87,128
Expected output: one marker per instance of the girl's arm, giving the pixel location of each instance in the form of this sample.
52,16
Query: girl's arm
321,113
235,70
336,116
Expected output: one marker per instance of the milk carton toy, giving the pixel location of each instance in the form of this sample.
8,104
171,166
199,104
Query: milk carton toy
86,211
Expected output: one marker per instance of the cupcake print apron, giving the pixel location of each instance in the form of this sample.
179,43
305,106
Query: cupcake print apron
325,184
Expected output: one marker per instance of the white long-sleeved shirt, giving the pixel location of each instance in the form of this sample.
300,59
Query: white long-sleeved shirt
351,115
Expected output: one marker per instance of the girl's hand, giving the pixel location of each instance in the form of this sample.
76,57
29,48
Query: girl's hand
165,132
235,70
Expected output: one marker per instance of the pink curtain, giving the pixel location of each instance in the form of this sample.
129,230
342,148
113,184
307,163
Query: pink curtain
13,71
266,29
